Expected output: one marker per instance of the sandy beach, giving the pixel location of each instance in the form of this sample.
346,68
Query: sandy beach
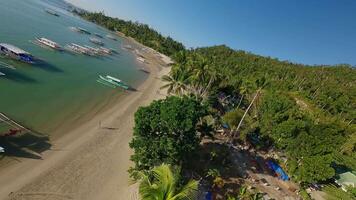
91,161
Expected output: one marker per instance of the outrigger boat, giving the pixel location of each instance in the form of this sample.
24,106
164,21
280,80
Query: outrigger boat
96,41
99,51
105,50
111,37
52,12
144,70
94,51
112,82
5,65
98,35
48,43
114,51
76,48
2,150
127,47
142,60
2,74
16,53
80,30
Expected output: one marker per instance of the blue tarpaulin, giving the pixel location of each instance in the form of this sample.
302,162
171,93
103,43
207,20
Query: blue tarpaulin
276,168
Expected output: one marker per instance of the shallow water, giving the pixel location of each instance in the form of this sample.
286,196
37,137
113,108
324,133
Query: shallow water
64,89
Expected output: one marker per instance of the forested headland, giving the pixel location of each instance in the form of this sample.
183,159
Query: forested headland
306,113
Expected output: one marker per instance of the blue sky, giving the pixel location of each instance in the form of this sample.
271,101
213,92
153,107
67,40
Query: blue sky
303,31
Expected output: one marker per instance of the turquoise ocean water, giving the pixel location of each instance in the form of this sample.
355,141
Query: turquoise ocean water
64,89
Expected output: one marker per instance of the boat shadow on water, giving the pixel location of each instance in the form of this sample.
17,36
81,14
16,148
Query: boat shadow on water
26,145
13,75
47,66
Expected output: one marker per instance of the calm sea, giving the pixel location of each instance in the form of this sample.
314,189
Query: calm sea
63,90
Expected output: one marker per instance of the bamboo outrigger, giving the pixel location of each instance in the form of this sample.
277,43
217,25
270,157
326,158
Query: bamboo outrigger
7,120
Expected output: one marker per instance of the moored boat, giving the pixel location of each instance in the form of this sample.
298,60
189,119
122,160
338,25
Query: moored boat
114,51
144,70
16,53
105,50
80,30
111,37
2,74
96,41
142,60
49,43
127,47
52,12
98,35
76,48
112,82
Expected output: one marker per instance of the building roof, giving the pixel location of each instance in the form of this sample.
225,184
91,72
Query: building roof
13,48
347,178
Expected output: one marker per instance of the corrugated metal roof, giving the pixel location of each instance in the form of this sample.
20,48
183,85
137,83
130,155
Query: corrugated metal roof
347,178
14,48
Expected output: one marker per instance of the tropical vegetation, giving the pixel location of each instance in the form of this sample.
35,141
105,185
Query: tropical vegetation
161,183
140,32
165,132
304,112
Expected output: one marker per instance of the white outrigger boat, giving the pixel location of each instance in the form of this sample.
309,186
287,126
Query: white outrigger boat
99,51
2,74
111,37
2,150
80,30
98,35
16,53
142,60
96,41
105,50
94,51
48,43
52,12
128,47
76,48
112,82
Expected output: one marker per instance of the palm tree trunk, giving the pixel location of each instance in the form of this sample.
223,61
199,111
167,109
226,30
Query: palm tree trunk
243,117
242,97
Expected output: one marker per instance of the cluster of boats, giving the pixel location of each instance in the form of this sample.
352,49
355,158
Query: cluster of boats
85,31
88,50
16,53
21,55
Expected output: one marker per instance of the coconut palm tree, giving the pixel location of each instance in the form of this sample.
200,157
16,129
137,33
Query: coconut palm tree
177,82
161,184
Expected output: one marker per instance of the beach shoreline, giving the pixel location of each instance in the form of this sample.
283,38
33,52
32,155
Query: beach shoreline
91,160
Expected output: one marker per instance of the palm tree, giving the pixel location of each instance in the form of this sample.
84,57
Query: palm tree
177,82
161,184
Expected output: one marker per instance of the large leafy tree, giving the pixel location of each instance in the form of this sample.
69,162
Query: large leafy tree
165,131
161,183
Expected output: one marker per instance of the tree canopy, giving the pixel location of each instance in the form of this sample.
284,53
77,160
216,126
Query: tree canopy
161,183
140,32
165,131
306,111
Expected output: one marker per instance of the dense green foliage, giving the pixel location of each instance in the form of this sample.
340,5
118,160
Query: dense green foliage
334,193
140,32
165,132
161,183
306,111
